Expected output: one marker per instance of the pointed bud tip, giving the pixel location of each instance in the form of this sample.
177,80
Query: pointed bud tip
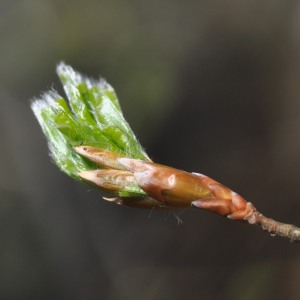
115,200
81,149
88,175
103,158
110,199
196,204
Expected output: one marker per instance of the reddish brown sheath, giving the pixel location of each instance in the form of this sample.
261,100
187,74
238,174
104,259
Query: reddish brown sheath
181,189
165,184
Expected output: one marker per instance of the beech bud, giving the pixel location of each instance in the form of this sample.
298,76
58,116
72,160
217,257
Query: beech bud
168,185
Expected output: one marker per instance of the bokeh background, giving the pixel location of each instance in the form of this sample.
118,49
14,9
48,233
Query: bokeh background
208,86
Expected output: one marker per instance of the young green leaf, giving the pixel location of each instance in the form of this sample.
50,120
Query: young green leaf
92,118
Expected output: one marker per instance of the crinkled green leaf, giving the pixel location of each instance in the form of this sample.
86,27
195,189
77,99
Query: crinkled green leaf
92,118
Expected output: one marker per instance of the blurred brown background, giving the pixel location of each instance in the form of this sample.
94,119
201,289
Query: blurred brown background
208,86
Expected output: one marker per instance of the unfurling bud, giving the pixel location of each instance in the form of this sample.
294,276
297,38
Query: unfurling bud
147,185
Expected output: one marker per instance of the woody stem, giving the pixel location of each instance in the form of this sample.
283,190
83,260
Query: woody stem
288,231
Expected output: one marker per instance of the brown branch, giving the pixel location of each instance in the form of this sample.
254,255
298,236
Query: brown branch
288,231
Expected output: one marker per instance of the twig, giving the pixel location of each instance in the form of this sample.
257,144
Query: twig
275,228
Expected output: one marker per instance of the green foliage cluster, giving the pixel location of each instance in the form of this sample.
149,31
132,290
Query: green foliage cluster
92,118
